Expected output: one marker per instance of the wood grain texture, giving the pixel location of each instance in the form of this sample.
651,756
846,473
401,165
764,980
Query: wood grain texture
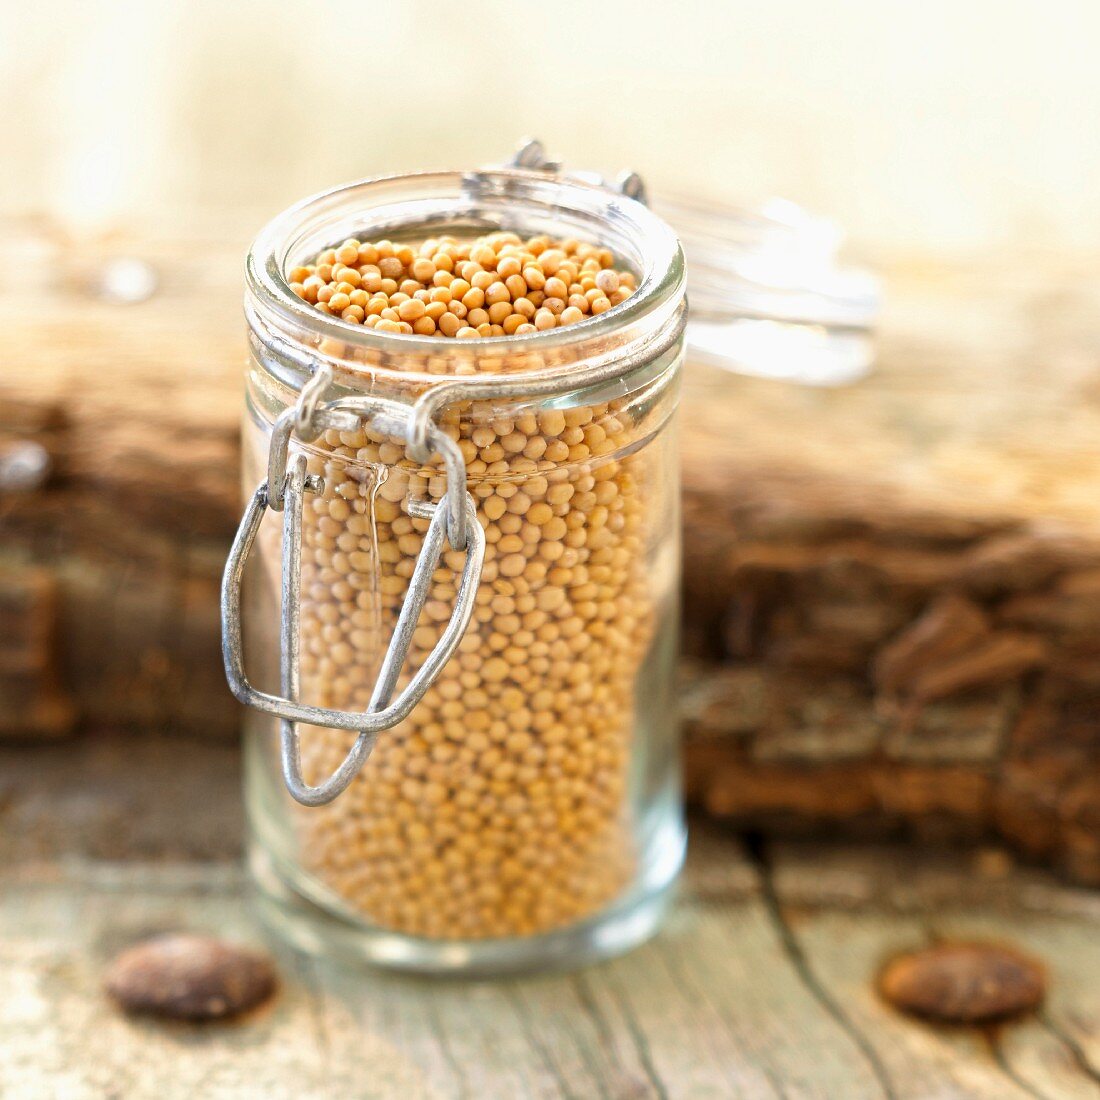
828,536
745,993
760,986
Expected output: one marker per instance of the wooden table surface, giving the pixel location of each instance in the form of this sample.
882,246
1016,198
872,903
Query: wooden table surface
761,985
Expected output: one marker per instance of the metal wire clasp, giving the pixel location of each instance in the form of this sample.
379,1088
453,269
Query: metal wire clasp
454,518
531,154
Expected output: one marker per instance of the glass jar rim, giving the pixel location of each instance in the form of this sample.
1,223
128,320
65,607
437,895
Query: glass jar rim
484,197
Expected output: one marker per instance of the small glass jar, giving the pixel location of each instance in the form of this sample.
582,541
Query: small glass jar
477,569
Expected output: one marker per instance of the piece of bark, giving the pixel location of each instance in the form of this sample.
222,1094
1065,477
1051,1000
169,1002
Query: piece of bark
1001,657
971,729
1079,818
769,751
33,701
1020,562
1068,617
949,627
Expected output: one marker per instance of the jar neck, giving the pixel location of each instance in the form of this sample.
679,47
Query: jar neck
290,338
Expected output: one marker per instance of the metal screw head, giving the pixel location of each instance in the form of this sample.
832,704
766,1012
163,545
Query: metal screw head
632,185
532,154
963,983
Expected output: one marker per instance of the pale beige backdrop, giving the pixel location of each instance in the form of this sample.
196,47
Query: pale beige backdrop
949,126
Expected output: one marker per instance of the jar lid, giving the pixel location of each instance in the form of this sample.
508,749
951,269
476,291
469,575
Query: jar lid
768,292
769,295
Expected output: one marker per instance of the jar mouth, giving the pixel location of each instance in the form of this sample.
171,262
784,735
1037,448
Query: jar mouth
462,203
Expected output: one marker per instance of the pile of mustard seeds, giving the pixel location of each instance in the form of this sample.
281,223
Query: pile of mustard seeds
502,805
495,285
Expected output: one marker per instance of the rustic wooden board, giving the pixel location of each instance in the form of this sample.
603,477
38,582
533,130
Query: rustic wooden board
736,997
878,902
760,986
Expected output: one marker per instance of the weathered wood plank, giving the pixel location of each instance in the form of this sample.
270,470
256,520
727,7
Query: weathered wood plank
849,912
843,951
62,1040
1043,1062
106,797
1058,1054
711,1009
760,986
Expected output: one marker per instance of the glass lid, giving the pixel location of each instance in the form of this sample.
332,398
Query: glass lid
769,294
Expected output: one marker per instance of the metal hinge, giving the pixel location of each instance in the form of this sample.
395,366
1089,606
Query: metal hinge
284,489
531,155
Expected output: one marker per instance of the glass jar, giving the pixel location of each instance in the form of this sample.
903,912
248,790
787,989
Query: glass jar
472,762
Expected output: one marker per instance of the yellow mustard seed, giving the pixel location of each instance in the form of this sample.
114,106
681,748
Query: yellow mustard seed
498,807
496,285
411,310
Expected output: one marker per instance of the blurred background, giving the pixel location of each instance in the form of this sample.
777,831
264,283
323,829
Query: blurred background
939,126
891,668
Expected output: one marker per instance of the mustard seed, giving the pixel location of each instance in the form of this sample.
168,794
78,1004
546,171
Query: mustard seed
498,807
499,284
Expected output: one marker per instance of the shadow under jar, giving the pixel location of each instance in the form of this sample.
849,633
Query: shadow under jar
501,791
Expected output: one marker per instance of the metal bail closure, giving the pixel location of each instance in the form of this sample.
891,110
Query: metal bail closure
381,713
531,154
